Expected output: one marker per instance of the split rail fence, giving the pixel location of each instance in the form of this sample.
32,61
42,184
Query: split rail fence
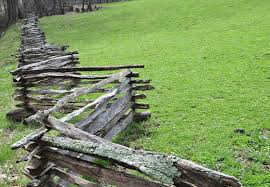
79,114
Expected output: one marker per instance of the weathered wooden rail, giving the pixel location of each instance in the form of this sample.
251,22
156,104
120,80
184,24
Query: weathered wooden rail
36,53
79,111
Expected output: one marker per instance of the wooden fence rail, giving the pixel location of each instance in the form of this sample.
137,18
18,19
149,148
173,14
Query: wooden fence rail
36,53
79,114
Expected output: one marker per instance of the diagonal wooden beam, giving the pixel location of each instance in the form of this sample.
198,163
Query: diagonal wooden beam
41,115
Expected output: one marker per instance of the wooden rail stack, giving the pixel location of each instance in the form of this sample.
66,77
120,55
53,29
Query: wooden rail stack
79,110
34,54
75,149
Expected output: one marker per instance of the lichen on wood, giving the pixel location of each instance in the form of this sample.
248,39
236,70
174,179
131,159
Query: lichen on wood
156,166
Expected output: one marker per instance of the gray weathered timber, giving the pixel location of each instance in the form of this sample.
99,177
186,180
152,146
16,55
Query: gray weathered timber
167,169
119,126
96,103
61,75
54,62
73,179
112,115
141,106
30,138
101,101
147,81
39,116
138,96
84,123
99,173
157,167
76,69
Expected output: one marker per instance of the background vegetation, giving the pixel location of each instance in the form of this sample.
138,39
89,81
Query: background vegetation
209,61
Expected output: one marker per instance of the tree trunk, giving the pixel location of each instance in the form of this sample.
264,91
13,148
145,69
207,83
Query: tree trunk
83,10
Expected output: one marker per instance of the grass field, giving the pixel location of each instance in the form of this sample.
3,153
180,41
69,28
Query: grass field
209,61
10,173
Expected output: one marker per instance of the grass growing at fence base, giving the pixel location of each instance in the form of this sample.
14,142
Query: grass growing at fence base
10,173
210,64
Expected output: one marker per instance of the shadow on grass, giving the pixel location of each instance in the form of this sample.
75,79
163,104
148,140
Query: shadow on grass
133,132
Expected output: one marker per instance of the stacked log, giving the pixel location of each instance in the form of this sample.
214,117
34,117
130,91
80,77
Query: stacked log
83,139
47,72
36,53
32,36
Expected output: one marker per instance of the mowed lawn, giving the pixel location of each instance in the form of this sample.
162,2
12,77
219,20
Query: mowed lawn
209,61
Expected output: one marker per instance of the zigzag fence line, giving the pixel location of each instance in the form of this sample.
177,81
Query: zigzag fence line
79,114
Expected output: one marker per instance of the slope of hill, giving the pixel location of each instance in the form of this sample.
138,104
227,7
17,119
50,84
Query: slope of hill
210,63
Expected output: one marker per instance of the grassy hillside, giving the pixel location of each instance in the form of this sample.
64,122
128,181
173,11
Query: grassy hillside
210,63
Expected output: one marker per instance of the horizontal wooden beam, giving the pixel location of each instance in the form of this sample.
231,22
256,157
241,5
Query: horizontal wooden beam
55,62
59,75
74,69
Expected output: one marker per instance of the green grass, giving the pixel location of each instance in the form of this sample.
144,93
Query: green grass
209,61
9,132
210,64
